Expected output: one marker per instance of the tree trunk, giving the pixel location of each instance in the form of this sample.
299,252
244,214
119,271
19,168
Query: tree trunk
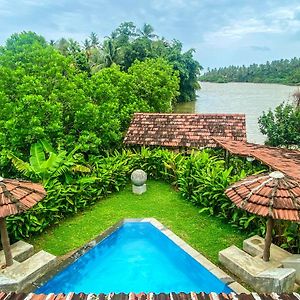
227,158
268,239
5,243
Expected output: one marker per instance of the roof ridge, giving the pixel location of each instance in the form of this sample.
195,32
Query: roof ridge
191,114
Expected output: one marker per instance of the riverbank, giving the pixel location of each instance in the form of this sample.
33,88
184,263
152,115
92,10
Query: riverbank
280,83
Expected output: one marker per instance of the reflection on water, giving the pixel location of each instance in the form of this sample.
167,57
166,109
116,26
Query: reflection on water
248,98
186,107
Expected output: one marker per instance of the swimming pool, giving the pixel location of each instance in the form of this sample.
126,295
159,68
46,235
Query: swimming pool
137,257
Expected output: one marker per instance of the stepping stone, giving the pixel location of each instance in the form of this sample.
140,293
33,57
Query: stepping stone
19,250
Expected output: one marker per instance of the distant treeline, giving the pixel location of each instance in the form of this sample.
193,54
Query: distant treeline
282,71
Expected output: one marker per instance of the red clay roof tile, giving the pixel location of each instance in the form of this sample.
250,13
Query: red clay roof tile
17,196
267,196
184,130
285,160
150,296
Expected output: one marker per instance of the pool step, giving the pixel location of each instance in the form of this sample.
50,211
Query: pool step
20,251
264,277
26,268
35,266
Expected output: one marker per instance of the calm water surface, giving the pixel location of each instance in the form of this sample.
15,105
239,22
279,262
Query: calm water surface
248,98
135,258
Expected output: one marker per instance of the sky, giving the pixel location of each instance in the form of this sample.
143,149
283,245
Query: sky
223,32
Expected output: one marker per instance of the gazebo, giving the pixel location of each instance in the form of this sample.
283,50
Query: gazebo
274,195
16,196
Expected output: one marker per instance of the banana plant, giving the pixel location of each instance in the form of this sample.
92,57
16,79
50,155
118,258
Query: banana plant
46,164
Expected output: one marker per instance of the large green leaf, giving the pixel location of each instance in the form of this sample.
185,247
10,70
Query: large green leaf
37,157
47,146
52,163
21,166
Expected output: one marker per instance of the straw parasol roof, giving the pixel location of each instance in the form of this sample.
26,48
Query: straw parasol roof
274,195
16,196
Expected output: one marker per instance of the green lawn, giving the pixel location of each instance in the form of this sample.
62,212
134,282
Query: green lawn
205,233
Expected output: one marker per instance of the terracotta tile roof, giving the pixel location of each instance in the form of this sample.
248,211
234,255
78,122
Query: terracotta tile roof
184,130
268,195
16,196
150,296
285,160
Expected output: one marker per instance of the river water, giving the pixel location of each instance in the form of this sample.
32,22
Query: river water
248,98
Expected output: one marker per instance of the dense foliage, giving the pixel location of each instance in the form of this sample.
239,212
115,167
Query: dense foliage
81,99
282,126
283,71
200,178
44,96
125,45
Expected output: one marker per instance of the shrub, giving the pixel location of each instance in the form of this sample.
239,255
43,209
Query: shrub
201,178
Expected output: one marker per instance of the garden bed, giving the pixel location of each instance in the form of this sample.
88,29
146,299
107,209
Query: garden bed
207,234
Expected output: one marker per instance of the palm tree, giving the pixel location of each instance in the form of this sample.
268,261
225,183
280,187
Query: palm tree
74,46
62,45
105,56
94,40
110,52
147,32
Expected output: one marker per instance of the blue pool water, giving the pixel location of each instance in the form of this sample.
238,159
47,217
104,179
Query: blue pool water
137,257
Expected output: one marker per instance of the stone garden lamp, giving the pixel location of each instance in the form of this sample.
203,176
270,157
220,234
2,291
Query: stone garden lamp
16,196
273,195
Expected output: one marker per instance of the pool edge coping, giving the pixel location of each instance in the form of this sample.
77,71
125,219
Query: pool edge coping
207,264
70,257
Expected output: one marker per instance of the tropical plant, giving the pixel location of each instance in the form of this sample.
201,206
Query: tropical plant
147,32
200,177
45,164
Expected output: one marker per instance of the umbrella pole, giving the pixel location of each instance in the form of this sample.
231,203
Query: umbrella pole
268,239
5,243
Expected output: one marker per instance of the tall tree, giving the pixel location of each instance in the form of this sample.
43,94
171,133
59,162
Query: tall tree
147,32
44,95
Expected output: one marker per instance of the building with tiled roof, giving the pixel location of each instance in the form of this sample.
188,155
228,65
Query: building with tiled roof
281,159
184,130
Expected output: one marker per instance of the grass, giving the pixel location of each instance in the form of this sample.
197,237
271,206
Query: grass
205,233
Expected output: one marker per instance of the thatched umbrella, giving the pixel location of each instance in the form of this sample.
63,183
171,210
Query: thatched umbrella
274,195
16,196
